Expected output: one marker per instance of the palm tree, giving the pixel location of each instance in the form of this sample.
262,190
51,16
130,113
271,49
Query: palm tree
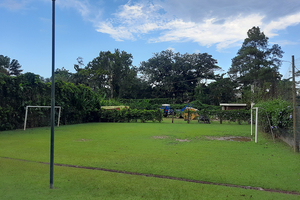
14,68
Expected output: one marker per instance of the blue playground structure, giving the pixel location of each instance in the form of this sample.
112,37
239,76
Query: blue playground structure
168,111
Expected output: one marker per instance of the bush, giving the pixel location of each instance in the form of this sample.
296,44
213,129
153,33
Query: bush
131,115
230,115
279,113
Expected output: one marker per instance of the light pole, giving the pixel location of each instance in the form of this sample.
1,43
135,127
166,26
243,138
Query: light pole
52,98
294,102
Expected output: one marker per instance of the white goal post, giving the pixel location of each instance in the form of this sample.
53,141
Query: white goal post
256,120
40,107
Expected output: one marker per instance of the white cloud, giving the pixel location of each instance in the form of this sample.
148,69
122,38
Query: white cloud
145,17
208,33
221,23
119,34
134,19
281,24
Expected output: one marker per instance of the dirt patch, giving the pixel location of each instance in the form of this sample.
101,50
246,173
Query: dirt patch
185,140
161,137
167,137
230,138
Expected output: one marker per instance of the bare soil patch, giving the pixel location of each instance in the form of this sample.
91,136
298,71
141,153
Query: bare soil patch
185,140
161,137
230,138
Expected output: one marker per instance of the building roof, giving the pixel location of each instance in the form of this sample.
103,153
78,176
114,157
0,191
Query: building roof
233,104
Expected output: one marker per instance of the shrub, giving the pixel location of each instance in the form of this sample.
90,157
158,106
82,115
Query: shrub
279,113
230,115
131,115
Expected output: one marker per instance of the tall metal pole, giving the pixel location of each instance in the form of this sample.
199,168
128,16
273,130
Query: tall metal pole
52,98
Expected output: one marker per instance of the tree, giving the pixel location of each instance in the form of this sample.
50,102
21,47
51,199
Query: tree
112,71
82,75
14,68
255,62
4,64
223,90
10,68
174,74
159,72
62,74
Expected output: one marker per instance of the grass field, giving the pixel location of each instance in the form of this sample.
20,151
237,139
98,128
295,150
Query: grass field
177,150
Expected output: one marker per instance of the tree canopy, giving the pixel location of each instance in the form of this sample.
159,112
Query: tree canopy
175,75
256,62
10,68
14,68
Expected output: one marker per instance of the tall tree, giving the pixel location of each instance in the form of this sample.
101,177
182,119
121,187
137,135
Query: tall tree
113,71
14,68
177,74
256,62
82,75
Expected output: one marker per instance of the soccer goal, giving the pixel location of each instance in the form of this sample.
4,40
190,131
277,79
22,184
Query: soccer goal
26,113
256,120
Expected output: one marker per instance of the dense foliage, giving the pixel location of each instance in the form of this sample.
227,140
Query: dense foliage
278,113
229,115
79,103
8,67
128,115
175,75
165,78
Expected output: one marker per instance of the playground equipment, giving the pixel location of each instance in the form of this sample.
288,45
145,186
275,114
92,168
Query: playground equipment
167,109
191,113
181,110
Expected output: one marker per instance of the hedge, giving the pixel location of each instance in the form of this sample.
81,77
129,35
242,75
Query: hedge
129,115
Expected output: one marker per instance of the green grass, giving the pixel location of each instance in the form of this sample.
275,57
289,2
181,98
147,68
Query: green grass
132,147
23,180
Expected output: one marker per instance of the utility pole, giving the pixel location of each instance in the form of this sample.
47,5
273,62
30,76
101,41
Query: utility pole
294,106
52,98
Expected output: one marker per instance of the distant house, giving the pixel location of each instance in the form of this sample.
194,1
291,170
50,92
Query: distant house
233,106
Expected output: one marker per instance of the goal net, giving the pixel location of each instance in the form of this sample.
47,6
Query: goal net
40,114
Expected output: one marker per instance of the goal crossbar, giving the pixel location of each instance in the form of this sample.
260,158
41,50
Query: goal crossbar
26,113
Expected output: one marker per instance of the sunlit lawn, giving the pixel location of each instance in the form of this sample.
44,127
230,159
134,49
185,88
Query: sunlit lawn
179,150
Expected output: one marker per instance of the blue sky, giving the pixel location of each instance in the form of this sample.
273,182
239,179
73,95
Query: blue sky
142,27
